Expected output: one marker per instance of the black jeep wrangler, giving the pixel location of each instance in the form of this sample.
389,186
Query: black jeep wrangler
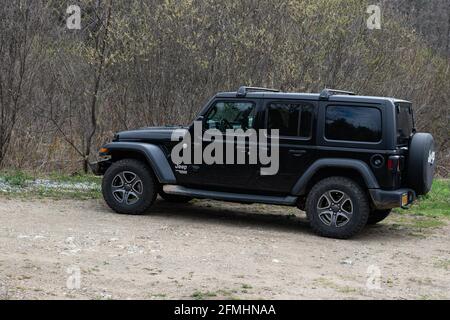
346,160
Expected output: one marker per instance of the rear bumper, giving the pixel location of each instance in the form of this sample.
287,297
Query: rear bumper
384,199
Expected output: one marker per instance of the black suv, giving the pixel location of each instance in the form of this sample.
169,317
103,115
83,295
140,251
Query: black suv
346,160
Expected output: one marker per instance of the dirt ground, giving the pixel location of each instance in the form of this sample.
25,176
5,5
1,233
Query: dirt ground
209,250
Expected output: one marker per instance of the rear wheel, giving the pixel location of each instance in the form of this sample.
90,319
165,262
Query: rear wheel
129,187
337,207
376,216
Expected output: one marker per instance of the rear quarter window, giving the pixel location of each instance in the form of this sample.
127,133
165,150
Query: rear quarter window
353,123
405,122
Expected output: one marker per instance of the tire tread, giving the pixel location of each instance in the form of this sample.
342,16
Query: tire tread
150,190
361,198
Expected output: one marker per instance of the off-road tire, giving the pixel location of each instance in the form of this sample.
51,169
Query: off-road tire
421,163
376,216
142,172
359,204
174,197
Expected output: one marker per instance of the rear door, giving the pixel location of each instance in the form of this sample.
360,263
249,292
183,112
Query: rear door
295,120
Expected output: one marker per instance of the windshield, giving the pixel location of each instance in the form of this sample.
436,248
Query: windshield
405,122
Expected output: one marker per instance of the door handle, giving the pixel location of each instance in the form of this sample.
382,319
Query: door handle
297,152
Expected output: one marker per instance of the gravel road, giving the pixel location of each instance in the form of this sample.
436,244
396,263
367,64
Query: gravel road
209,250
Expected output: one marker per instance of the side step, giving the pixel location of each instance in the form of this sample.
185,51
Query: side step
227,196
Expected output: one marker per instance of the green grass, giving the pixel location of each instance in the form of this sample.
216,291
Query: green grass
74,178
199,295
19,184
42,193
323,282
219,294
443,264
428,212
435,203
15,178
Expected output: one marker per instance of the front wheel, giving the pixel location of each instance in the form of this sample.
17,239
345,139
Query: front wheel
129,187
337,207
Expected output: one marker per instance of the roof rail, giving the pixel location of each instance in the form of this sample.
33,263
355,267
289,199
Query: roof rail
242,92
327,93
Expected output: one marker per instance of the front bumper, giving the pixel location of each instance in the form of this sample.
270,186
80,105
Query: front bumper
388,199
99,168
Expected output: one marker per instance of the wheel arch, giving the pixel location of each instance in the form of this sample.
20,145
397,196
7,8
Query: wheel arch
151,154
357,170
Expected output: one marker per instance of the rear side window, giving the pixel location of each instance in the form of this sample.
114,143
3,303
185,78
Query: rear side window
291,119
349,123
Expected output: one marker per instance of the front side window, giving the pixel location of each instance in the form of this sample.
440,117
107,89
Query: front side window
350,123
231,115
291,119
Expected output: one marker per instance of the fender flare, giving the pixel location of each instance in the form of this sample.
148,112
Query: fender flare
358,165
154,155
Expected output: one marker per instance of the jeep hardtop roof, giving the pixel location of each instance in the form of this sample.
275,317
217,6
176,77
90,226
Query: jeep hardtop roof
263,93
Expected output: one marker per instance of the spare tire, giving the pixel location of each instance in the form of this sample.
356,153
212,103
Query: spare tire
421,163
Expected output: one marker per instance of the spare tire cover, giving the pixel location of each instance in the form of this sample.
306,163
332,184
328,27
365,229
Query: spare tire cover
421,163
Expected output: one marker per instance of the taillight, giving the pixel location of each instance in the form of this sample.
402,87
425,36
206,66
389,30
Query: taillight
390,164
393,164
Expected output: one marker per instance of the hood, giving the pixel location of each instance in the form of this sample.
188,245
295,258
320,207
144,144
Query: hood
147,134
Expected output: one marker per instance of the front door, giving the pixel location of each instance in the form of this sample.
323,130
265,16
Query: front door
223,116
